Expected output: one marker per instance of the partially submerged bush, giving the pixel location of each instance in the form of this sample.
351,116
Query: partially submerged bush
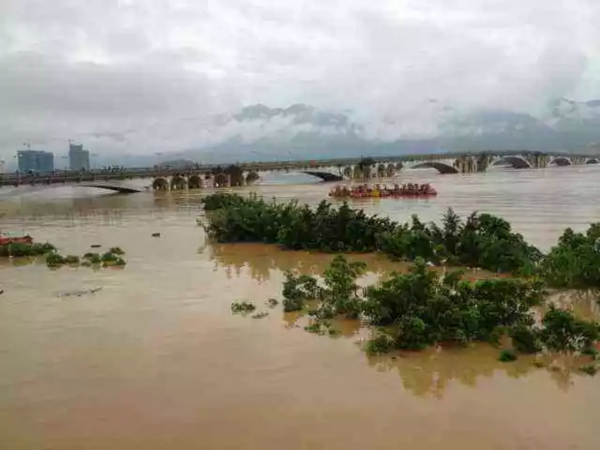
297,290
507,355
525,338
72,260
25,250
110,259
379,344
221,200
55,260
482,240
242,307
590,369
562,331
92,258
575,261
424,308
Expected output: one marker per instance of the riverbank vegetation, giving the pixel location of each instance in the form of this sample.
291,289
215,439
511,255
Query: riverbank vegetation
49,254
480,240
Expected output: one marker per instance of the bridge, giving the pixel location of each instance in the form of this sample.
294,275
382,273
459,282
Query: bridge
240,174
117,186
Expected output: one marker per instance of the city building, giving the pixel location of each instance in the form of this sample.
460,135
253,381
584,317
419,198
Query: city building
37,161
79,159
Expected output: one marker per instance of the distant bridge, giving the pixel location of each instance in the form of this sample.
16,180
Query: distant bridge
327,170
114,186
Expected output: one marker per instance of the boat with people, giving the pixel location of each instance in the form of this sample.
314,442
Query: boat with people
407,190
6,240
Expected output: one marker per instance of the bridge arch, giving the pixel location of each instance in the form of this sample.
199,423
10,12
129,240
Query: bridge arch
111,187
358,173
160,184
381,170
195,182
441,167
178,183
325,176
221,179
562,161
516,162
593,161
390,170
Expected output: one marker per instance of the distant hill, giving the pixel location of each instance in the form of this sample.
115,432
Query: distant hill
304,132
261,133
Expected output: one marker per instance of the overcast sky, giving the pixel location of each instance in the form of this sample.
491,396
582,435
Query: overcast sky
141,76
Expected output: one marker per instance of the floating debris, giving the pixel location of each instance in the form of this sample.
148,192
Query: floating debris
95,246
260,315
272,303
155,234
79,293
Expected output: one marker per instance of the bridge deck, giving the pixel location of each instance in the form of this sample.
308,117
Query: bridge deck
112,187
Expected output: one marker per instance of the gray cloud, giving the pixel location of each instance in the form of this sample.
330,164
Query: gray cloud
143,76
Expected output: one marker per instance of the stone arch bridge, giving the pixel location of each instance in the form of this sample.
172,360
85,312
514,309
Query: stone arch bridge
381,169
326,170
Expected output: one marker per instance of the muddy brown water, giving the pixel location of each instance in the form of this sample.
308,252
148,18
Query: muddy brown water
156,360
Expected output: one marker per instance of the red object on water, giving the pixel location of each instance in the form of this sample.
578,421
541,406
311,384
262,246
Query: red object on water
5,240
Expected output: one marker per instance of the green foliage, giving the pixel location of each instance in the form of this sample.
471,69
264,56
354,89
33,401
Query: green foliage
72,259
507,355
525,339
562,331
575,261
316,328
590,369
93,258
55,260
25,250
421,308
483,240
242,307
297,290
222,200
424,308
110,259
379,344
340,293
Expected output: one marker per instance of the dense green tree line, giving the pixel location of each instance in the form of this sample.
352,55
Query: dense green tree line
481,240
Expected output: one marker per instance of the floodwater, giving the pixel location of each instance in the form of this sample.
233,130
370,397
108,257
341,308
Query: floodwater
156,360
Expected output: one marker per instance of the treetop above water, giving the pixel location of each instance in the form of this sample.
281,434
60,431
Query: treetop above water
480,240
